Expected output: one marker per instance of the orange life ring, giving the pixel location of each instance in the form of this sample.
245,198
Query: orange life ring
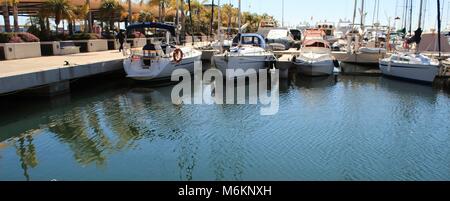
177,55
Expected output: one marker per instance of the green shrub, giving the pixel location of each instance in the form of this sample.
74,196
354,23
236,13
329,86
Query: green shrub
5,37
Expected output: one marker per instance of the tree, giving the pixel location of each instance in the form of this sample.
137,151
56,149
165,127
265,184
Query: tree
5,10
81,14
60,9
145,16
109,9
14,4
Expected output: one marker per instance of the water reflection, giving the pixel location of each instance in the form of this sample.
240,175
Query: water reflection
26,151
208,141
314,82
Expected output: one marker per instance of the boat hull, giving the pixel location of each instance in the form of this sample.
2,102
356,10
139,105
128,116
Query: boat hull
320,68
416,72
164,70
359,58
244,63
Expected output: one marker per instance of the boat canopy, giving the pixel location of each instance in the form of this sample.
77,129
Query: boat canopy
251,39
157,25
314,34
316,43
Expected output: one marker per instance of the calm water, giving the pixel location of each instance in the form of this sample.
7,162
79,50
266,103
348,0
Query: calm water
352,128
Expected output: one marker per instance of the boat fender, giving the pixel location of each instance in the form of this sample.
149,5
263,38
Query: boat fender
294,58
226,56
335,62
178,55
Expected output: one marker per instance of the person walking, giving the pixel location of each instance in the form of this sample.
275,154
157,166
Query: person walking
121,37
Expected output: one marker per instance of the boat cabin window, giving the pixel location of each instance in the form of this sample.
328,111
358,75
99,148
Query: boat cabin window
250,41
297,35
247,40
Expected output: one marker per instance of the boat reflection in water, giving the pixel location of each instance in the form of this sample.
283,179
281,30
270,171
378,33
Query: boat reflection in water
315,82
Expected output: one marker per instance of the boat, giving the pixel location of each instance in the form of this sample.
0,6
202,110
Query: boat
315,57
410,66
281,36
158,60
248,52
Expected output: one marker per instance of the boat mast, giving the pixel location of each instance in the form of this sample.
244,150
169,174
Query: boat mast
239,17
354,13
362,15
439,26
282,16
410,17
219,26
177,20
420,14
396,15
190,20
212,19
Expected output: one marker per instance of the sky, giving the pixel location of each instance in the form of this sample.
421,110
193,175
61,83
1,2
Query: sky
298,11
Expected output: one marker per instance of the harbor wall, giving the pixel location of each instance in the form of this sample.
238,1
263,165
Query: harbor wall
55,81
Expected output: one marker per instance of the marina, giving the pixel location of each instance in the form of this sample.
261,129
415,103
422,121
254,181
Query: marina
174,91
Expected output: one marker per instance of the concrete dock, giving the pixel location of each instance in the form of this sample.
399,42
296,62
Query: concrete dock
52,74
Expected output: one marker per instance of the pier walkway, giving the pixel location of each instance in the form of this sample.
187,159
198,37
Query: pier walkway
16,75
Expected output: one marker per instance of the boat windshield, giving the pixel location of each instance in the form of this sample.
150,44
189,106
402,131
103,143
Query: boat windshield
278,34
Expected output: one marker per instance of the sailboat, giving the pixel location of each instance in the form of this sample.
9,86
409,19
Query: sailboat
357,52
159,60
412,66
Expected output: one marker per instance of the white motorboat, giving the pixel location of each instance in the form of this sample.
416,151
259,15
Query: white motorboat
248,52
410,66
159,60
315,56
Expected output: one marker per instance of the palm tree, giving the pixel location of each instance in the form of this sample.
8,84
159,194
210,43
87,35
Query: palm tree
80,13
228,9
5,10
163,4
15,14
60,9
145,16
109,9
